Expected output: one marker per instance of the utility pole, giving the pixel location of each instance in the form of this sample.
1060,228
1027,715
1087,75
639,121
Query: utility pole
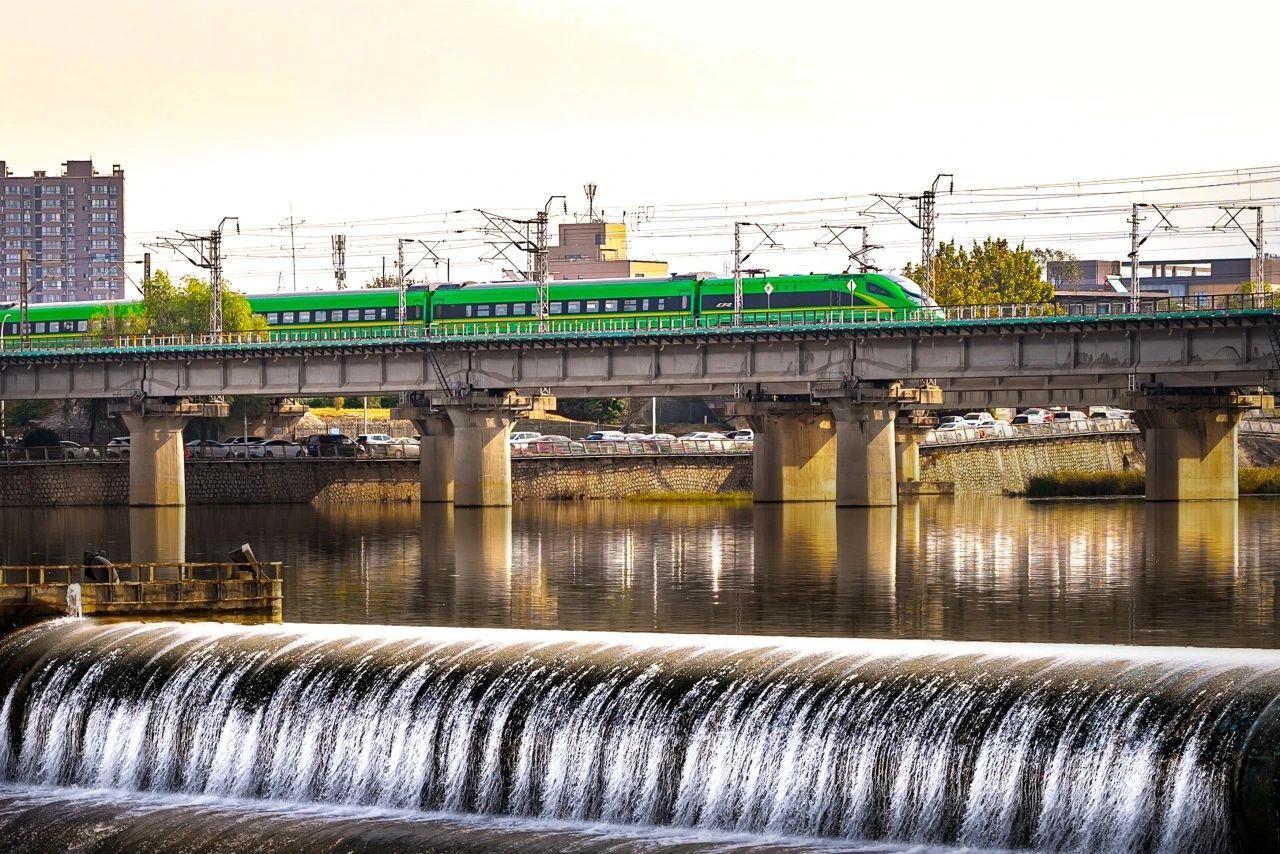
1136,240
293,247
530,237
860,256
24,297
401,310
146,273
205,251
926,219
338,242
1232,215
590,190
739,259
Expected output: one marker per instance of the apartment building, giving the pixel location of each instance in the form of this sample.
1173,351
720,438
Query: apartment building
72,225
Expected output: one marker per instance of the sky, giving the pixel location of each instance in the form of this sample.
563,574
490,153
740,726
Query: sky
374,119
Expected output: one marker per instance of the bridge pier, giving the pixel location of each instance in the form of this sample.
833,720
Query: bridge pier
465,452
866,454
1192,443
793,451
157,458
908,433
280,420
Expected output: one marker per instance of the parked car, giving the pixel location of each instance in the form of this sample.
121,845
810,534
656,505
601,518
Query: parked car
524,437
118,447
1033,416
660,437
1109,412
368,439
238,446
206,449
705,435
1069,415
634,437
741,435
274,449
332,445
75,451
606,436
405,448
979,419
950,419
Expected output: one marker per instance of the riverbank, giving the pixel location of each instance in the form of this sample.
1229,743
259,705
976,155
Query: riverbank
1073,483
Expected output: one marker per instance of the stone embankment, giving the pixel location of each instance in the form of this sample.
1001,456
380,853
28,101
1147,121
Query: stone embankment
363,481
997,467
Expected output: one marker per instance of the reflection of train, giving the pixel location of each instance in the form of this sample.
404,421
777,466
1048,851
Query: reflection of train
617,303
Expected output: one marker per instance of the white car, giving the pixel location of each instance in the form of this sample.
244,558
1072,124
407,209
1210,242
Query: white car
405,448
634,437
607,436
524,437
76,451
703,435
207,449
238,446
741,436
1033,416
275,449
979,419
660,437
118,447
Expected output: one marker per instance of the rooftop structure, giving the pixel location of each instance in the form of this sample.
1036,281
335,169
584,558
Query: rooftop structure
597,250
72,226
1173,278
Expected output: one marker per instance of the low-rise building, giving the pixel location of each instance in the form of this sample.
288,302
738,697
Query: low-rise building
1094,279
597,250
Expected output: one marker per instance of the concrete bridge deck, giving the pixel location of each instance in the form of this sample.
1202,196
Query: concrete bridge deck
824,395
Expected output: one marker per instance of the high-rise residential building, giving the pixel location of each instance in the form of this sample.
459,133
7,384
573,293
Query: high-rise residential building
73,228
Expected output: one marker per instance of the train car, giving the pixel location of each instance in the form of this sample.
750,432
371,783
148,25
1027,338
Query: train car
572,305
816,298
299,315
63,321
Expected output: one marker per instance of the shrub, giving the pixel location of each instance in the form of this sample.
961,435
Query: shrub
1075,484
40,437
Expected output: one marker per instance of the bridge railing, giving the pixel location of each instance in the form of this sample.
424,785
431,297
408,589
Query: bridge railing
791,320
631,448
1004,431
137,573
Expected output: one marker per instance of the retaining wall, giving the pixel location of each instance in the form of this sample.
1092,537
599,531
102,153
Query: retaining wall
998,467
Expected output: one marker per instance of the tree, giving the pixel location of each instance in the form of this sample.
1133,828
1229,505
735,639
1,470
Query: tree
180,308
989,273
1062,268
600,410
384,282
40,437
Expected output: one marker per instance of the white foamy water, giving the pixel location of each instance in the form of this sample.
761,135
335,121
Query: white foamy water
984,745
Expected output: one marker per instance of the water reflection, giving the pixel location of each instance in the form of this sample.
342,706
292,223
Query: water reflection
966,568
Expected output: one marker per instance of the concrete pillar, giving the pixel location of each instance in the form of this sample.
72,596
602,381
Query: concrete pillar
482,454
157,459
794,452
907,441
435,464
1192,453
866,455
280,420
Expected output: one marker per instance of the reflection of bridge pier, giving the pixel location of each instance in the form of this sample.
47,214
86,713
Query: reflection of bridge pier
157,534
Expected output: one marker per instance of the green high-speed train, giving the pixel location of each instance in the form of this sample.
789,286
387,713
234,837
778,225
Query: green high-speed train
672,302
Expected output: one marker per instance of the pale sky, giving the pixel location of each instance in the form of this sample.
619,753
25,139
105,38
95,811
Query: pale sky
387,112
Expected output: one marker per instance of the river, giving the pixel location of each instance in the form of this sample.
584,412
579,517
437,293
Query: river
955,674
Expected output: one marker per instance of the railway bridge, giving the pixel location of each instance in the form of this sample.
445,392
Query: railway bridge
838,407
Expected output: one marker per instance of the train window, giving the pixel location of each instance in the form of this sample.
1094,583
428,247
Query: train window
304,317
83,326
575,307
684,302
370,314
555,308
322,317
40,328
482,311
878,291
593,306
629,305
662,305
55,326
500,310
611,305
415,312
646,305
520,308
287,317
468,311
353,314
273,318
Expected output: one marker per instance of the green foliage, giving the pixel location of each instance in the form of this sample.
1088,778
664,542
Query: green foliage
383,282
180,308
1260,481
40,437
991,272
1072,483
600,410
21,413
1061,267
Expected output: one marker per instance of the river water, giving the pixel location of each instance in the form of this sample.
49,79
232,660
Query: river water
972,568
980,674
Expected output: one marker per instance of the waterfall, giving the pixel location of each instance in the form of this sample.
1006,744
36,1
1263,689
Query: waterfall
987,745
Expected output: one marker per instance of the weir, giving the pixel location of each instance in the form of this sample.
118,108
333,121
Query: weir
1007,746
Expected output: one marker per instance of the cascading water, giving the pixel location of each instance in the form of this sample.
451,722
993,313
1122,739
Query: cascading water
993,745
